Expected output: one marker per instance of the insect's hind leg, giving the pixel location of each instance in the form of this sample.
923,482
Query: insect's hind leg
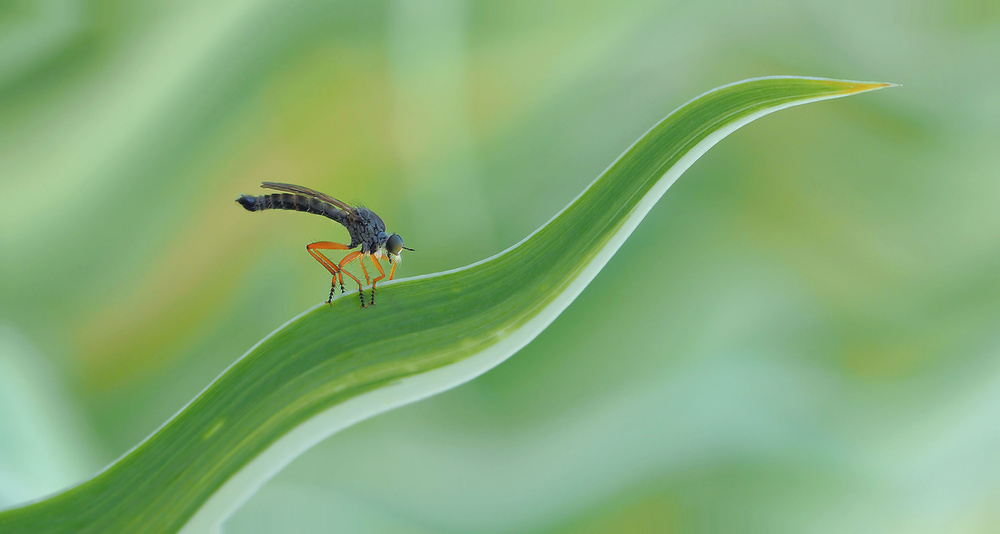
314,251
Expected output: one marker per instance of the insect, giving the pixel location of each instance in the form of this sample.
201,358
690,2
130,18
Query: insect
366,229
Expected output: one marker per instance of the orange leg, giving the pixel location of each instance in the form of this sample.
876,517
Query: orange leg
377,278
348,259
361,262
314,250
392,272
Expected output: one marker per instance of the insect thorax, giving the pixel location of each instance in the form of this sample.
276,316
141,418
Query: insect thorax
365,231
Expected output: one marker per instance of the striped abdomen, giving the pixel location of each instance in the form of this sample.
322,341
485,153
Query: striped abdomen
286,201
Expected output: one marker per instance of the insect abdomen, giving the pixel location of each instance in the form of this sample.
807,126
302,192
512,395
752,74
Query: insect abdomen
286,201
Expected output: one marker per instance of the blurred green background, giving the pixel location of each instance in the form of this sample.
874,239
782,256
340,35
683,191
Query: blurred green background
802,336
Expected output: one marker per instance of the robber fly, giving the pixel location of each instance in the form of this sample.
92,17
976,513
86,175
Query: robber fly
367,231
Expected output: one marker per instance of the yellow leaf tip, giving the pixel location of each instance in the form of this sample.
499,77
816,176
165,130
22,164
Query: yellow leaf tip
860,87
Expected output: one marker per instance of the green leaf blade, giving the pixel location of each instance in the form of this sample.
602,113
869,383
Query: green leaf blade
335,365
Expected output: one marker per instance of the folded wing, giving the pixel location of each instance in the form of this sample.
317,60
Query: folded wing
312,193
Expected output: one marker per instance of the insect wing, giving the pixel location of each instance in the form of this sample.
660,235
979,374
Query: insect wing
300,190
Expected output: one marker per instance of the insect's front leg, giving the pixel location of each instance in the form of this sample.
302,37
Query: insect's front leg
381,276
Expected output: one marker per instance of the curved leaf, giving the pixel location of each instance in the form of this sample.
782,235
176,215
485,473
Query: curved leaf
335,365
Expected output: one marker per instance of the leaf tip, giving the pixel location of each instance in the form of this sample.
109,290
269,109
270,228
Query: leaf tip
861,87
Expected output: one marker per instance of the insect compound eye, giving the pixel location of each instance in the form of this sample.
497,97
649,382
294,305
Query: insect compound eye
394,244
